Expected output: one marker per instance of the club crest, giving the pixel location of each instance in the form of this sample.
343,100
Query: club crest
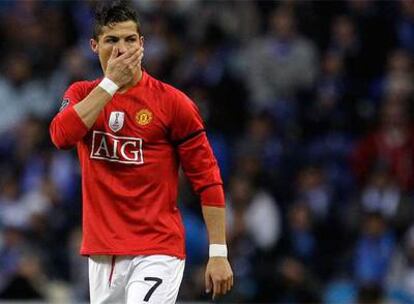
143,117
116,121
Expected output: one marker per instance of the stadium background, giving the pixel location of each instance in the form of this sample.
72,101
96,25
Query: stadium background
308,106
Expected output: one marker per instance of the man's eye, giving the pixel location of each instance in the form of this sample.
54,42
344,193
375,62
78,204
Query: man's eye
111,40
132,39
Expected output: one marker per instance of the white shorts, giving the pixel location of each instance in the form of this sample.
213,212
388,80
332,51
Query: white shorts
134,279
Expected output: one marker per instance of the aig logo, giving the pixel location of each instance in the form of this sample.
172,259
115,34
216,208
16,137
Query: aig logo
120,149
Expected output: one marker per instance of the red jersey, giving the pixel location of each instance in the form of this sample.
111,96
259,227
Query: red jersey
130,160
377,148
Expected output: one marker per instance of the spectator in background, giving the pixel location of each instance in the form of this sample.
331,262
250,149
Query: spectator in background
13,212
74,66
28,283
373,251
391,145
253,213
382,194
397,81
260,151
239,20
401,273
259,217
327,112
279,64
20,95
36,163
254,228
82,22
159,44
331,97
205,65
294,283
300,239
329,154
344,40
28,147
399,78
11,251
28,25
314,191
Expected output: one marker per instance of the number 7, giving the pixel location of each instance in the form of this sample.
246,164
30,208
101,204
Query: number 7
157,281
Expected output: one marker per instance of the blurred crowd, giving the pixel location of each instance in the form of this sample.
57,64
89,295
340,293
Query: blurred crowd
308,106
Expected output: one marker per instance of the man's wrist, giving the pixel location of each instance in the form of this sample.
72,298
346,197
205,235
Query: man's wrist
218,250
109,86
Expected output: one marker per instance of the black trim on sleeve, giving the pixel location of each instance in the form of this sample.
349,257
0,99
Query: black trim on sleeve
188,137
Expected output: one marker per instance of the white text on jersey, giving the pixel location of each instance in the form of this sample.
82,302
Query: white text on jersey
120,149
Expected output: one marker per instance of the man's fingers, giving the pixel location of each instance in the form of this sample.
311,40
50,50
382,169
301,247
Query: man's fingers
133,62
137,54
131,53
226,286
208,283
114,53
222,286
133,59
216,289
128,54
133,65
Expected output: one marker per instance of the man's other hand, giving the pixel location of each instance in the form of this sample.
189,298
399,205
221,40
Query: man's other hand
218,276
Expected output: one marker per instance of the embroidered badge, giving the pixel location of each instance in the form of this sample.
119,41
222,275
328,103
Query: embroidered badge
143,117
116,121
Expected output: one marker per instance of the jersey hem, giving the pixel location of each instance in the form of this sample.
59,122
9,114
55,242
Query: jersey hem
129,252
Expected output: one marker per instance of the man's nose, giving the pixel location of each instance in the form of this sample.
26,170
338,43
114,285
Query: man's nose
121,47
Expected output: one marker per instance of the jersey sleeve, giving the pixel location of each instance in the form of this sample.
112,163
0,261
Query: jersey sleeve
67,128
186,119
196,156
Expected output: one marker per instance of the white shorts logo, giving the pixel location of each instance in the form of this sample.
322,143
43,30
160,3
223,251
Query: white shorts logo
120,149
116,121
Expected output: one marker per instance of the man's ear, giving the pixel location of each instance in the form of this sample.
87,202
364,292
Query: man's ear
94,45
142,40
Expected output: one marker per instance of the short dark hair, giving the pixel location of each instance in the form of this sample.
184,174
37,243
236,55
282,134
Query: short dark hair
108,13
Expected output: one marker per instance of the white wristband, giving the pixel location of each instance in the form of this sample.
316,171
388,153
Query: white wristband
218,250
109,86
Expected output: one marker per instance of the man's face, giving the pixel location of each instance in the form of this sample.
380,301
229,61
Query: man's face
123,35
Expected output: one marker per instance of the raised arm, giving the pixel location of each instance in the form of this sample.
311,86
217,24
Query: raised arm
120,71
72,123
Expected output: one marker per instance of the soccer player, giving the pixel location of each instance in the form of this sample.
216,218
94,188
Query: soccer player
132,133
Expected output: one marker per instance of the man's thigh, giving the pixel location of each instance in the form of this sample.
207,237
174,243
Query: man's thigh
155,279
107,278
